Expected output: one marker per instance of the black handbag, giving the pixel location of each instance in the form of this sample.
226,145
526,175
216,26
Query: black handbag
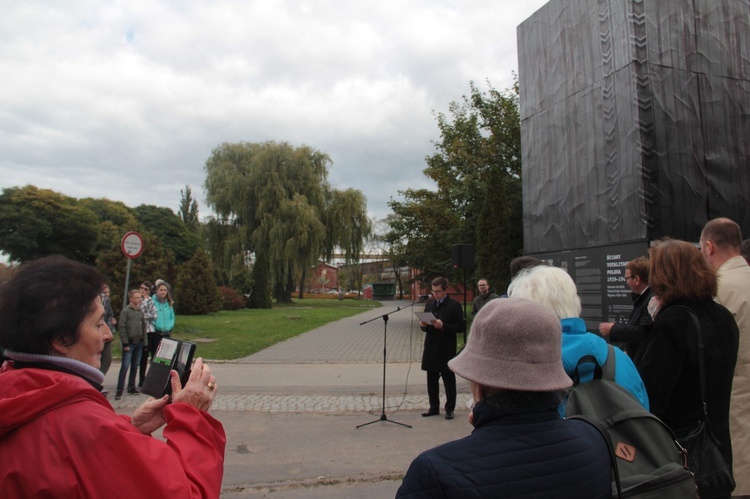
712,473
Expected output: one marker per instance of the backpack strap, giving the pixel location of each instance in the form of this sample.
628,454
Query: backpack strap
608,369
605,371
586,359
610,448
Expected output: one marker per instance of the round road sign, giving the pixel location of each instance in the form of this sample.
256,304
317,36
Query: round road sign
132,245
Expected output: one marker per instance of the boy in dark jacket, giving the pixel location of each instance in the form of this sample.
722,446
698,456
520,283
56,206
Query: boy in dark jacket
132,327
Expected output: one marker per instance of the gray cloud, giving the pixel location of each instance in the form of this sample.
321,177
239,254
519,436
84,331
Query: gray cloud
109,99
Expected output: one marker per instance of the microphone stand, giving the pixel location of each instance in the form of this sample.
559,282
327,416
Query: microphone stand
383,417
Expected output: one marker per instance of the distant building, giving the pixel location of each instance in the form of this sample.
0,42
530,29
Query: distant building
326,278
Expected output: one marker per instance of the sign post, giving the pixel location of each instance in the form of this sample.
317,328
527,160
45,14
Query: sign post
132,247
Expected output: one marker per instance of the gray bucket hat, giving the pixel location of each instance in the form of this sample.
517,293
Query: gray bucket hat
515,344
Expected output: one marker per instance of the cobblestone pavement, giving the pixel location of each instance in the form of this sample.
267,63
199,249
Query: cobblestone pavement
324,404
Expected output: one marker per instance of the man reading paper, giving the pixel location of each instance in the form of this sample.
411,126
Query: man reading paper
440,346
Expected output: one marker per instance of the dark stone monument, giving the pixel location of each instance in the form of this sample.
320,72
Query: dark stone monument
635,124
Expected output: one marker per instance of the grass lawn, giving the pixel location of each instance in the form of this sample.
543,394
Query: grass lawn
229,335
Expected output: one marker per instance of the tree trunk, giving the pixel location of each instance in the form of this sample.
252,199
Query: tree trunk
397,270
283,291
302,285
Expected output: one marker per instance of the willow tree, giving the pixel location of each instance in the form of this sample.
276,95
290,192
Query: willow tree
348,226
277,200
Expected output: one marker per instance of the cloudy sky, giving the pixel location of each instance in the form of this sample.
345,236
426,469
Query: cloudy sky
126,100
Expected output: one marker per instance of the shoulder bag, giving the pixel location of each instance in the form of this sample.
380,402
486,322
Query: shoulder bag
712,473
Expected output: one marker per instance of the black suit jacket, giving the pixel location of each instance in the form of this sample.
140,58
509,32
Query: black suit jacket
440,344
630,336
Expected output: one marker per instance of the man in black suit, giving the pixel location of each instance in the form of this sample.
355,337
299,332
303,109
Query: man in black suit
440,346
629,336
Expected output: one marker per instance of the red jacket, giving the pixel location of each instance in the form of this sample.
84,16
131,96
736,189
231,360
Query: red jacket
59,437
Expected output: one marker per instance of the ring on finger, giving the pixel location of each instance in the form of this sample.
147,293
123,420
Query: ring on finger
211,386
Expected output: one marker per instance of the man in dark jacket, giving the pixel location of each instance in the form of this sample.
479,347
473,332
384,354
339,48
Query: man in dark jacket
520,446
440,346
484,296
629,336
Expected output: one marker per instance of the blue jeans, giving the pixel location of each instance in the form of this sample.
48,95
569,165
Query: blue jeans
130,359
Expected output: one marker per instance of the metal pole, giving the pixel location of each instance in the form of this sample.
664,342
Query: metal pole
465,317
127,283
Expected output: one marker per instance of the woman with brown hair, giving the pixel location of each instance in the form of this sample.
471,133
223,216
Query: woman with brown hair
668,358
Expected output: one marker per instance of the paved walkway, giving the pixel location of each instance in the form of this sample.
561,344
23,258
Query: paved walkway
298,414
349,340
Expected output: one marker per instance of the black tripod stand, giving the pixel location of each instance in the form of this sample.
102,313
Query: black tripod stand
383,417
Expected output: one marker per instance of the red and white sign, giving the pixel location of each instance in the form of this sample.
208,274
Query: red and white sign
132,245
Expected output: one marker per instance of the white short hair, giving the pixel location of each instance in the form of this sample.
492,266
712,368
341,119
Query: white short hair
548,286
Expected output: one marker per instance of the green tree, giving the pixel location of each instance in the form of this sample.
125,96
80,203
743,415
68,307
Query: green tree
189,209
172,233
38,222
198,293
240,277
347,226
477,170
273,199
115,220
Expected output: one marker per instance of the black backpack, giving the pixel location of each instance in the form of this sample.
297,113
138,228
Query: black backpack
647,460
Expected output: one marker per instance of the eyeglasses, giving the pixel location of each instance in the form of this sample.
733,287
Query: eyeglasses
630,277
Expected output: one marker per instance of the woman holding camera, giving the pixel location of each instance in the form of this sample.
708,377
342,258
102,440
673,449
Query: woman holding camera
59,436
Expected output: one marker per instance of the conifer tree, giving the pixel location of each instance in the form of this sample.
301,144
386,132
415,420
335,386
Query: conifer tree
197,290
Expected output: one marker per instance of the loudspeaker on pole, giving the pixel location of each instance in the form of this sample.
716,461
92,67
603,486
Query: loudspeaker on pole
463,256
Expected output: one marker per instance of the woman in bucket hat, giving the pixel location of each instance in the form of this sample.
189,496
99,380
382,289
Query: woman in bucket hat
520,446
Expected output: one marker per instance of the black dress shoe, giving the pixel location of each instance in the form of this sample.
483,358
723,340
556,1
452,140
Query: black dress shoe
449,415
430,413
118,395
133,391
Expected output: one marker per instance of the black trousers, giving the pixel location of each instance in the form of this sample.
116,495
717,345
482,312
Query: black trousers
433,389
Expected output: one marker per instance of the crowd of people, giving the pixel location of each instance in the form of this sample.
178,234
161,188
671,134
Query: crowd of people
56,324
657,362
147,318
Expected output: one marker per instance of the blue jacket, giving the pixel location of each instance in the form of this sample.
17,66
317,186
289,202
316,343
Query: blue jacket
528,451
577,342
164,316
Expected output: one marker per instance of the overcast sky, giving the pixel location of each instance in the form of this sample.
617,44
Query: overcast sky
126,100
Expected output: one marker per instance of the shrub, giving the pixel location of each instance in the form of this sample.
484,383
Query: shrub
231,299
198,293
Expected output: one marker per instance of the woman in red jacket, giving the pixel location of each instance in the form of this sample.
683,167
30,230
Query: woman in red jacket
59,436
